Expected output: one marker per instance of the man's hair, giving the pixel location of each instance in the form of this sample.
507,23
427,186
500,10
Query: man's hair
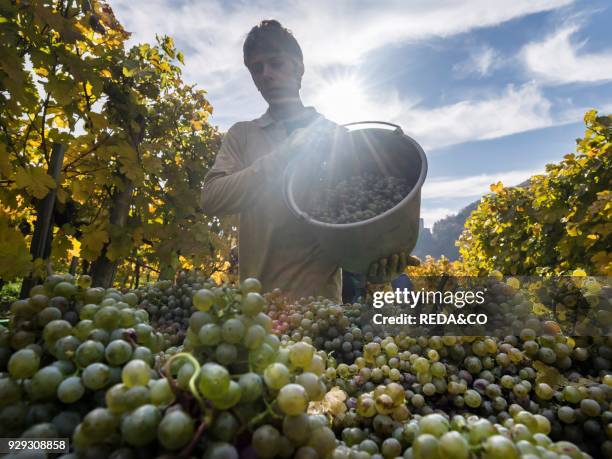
270,35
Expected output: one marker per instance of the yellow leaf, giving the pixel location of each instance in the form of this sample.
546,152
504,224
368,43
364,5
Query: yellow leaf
41,71
75,251
548,375
513,282
497,187
13,247
92,243
35,180
572,230
106,73
60,245
219,277
579,272
60,122
129,72
332,403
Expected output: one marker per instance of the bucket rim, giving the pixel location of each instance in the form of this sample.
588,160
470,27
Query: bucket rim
288,180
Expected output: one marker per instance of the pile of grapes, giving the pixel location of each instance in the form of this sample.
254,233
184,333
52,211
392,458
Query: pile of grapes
257,377
360,197
539,369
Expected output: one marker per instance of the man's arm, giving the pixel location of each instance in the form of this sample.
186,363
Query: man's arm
231,185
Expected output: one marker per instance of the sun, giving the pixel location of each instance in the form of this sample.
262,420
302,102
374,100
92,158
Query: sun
343,100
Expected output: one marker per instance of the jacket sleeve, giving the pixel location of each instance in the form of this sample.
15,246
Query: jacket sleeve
231,184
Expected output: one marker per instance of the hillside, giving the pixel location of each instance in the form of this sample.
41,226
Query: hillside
440,240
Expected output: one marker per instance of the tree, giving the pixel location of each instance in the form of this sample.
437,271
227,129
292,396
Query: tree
138,142
559,222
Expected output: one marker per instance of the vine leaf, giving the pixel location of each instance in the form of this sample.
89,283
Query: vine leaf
34,180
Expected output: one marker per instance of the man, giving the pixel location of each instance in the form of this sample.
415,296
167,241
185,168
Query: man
246,178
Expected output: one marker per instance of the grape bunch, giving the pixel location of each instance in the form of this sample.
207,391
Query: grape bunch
66,344
331,327
170,305
360,197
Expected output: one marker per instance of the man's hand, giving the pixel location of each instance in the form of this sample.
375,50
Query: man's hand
318,136
387,269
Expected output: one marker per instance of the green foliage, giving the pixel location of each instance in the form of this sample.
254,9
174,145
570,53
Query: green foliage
558,223
8,293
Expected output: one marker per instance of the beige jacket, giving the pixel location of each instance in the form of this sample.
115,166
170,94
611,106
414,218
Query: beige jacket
274,246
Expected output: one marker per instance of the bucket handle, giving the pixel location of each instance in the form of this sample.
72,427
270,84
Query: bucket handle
397,128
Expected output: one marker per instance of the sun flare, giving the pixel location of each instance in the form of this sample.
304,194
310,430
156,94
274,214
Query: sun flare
343,100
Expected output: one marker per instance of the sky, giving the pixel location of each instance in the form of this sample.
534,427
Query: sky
492,91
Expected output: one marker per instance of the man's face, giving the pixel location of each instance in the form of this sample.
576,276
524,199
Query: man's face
276,76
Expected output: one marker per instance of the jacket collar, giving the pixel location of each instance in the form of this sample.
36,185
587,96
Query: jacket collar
266,119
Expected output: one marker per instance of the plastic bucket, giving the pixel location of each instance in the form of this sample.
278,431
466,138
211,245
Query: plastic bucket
354,246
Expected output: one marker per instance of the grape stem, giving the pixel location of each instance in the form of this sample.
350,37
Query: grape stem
192,380
165,371
128,335
260,416
186,452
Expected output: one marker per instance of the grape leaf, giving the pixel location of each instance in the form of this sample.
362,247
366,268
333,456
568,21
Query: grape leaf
92,243
332,403
35,180
120,245
13,248
497,187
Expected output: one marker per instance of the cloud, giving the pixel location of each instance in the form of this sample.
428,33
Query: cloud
474,185
430,215
357,28
484,116
354,28
211,34
557,60
482,60
514,110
